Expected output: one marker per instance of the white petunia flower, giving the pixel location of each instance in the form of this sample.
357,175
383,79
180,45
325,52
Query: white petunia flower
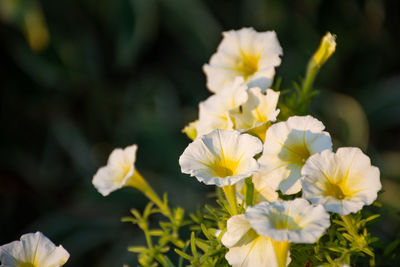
286,148
295,221
214,112
247,248
33,250
257,113
221,157
265,192
119,171
343,182
244,53
262,192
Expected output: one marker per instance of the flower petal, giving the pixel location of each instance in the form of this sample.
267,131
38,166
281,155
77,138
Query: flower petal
259,252
221,157
238,232
244,53
120,167
35,249
214,112
286,148
295,221
343,182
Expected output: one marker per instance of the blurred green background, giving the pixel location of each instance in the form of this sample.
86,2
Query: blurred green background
81,77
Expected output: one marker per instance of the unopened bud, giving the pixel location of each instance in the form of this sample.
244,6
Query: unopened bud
325,50
190,130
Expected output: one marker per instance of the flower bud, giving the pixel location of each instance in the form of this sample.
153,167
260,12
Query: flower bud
190,130
325,50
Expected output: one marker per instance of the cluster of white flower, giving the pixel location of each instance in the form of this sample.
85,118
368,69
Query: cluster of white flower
238,145
236,124
237,138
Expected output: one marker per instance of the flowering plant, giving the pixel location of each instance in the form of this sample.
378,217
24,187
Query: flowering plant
284,197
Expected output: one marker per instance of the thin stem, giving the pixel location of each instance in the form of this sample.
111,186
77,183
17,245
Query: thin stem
249,192
230,194
145,229
312,71
137,181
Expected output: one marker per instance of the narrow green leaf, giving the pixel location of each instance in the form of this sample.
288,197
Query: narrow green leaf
183,254
156,232
137,249
193,245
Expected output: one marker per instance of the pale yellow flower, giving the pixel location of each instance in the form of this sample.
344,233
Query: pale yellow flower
286,148
285,222
257,113
247,248
295,221
244,53
214,112
33,250
343,182
221,157
119,171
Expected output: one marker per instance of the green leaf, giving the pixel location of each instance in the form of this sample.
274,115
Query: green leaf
183,254
206,233
156,232
193,245
129,219
137,249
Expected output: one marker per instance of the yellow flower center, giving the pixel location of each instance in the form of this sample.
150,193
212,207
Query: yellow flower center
334,190
300,154
27,264
282,221
224,168
248,65
126,167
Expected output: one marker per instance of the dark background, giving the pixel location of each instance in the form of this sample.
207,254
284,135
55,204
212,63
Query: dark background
81,77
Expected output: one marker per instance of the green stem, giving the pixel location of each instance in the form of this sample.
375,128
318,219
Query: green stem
137,181
230,194
249,192
312,71
145,229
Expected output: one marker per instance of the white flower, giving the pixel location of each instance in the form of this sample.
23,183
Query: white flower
265,192
214,112
343,182
295,221
246,247
286,148
33,250
118,172
257,113
262,192
244,53
221,157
